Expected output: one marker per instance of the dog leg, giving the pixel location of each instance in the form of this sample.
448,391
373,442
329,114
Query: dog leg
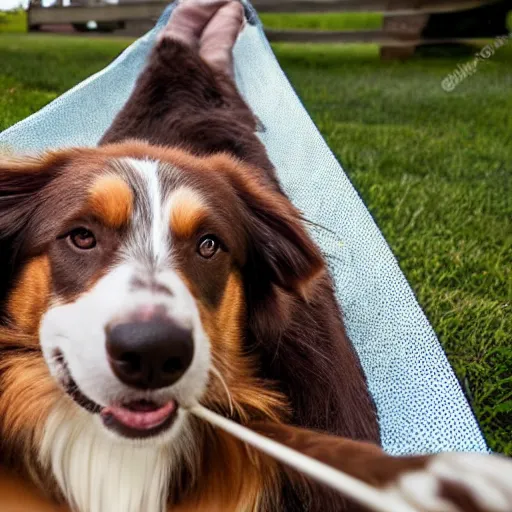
447,482
186,95
210,27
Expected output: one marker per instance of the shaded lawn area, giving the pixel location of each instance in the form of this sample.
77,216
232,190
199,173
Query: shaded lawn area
433,167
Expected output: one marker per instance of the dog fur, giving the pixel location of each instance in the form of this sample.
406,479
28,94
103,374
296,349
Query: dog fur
272,323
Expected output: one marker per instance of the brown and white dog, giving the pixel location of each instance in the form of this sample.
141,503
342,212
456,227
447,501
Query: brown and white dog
167,267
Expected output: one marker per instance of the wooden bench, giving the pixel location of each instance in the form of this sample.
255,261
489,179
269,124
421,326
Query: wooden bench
407,23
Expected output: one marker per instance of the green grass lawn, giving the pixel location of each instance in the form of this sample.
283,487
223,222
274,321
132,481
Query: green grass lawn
331,21
433,167
13,21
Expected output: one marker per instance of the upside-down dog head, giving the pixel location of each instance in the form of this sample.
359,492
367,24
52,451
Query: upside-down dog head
135,273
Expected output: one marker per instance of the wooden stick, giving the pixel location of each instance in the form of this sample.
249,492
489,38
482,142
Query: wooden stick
357,490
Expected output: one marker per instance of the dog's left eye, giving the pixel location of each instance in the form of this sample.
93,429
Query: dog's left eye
208,246
82,238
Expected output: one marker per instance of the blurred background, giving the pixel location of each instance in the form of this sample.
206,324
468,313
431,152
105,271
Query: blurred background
414,98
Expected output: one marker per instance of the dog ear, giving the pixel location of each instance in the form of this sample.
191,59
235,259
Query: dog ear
280,249
280,245
22,180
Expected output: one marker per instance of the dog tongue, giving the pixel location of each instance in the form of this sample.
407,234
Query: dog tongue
140,418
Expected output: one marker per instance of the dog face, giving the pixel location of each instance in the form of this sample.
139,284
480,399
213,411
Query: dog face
139,270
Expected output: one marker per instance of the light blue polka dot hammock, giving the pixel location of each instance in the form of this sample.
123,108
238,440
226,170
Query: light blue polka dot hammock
421,406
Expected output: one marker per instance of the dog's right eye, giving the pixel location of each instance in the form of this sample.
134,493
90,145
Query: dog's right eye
82,239
208,246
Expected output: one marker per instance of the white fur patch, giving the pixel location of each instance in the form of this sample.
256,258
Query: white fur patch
159,227
98,473
487,479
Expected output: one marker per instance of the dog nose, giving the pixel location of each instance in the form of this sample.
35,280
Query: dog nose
151,354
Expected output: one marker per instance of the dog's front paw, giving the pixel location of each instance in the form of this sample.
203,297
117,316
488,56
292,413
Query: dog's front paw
458,482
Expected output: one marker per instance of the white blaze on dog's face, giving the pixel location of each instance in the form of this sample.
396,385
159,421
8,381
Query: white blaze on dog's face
123,332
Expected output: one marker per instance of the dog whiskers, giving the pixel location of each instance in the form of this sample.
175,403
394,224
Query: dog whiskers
317,225
225,386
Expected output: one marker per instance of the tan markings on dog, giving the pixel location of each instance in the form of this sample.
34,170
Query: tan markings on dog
187,211
111,199
225,322
27,395
251,398
29,298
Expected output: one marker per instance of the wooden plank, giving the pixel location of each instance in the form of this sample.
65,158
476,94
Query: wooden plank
412,25
325,36
379,37
72,14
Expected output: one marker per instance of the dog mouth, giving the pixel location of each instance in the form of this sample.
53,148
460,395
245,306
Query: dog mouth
139,419
135,419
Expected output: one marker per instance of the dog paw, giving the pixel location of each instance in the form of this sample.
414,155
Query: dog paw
220,35
209,26
458,482
189,19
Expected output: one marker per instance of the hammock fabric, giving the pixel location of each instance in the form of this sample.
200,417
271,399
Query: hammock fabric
421,405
